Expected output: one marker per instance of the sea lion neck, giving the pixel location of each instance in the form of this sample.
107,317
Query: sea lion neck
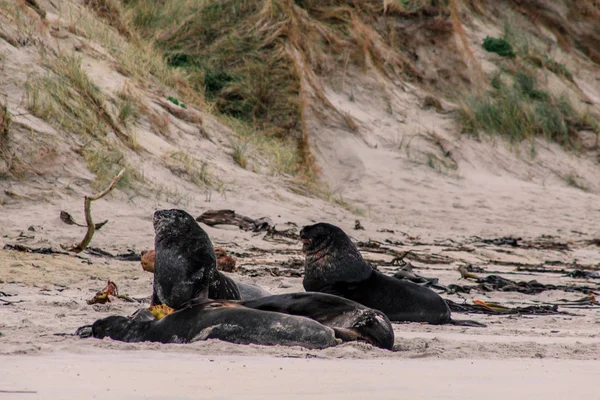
333,259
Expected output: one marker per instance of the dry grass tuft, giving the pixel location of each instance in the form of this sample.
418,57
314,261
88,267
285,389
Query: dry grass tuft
523,111
254,58
67,98
161,121
111,12
182,163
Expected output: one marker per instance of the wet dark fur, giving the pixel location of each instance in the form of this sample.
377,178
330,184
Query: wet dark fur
217,320
343,315
334,265
185,265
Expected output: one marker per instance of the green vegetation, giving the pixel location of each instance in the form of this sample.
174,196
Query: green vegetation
250,58
68,99
239,153
5,121
106,164
523,111
532,54
129,107
176,102
499,46
183,163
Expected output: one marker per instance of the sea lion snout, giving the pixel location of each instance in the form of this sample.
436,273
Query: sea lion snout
317,235
172,222
166,216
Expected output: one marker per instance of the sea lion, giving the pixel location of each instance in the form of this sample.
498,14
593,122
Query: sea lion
248,291
147,260
349,319
225,262
334,265
185,263
215,319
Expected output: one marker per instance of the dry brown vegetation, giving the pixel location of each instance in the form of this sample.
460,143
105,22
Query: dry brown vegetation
256,60
262,66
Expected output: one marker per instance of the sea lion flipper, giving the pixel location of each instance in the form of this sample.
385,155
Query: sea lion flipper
464,322
347,335
84,331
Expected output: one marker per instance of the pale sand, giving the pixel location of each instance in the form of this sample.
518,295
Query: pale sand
150,375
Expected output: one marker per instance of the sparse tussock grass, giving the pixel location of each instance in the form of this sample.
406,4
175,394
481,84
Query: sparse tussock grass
160,121
183,163
5,122
106,163
267,154
532,53
239,153
67,99
129,107
523,111
138,59
408,6
313,187
251,57
172,194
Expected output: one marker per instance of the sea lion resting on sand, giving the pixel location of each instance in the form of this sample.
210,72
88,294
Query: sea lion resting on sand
185,263
350,320
215,319
334,265
247,291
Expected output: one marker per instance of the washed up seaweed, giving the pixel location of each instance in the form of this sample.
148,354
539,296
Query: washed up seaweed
109,293
39,250
498,283
492,308
230,217
406,272
544,242
578,273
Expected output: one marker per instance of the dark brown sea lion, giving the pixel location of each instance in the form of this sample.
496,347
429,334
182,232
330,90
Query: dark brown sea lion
334,265
185,264
215,319
249,291
349,319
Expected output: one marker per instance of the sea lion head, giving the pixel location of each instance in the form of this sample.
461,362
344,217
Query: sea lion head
114,327
173,224
331,257
185,262
319,236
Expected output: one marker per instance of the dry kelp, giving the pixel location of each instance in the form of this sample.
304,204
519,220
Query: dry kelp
229,217
491,283
490,308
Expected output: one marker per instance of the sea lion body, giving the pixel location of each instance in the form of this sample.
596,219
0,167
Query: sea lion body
400,300
249,291
222,320
185,262
334,265
349,319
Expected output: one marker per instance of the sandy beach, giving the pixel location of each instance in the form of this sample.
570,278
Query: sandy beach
102,374
389,162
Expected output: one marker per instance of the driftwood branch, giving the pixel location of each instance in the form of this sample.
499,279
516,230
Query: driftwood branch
230,217
91,228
